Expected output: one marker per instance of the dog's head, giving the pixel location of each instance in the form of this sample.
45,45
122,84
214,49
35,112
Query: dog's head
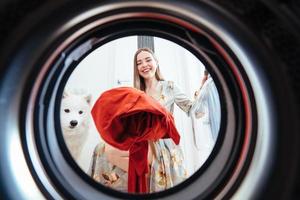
75,112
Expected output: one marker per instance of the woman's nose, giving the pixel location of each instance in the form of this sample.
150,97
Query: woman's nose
144,64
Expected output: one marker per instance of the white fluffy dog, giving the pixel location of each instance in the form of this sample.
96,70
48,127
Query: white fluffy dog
75,120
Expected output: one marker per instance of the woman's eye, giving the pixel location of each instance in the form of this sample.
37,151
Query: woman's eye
66,110
80,112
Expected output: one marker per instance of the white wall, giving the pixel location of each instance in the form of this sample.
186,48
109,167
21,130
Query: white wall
113,63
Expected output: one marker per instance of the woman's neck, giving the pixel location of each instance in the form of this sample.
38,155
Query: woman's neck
151,85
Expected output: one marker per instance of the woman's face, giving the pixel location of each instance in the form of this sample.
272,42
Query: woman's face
146,65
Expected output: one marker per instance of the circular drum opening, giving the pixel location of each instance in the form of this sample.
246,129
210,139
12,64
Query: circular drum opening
235,109
92,48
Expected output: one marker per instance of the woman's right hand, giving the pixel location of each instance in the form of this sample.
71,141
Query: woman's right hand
117,157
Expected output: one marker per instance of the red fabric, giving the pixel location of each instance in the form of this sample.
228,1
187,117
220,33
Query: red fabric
127,119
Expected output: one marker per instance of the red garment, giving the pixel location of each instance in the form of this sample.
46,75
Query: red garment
127,118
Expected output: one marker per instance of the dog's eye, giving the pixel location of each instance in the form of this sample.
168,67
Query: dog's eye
80,112
67,110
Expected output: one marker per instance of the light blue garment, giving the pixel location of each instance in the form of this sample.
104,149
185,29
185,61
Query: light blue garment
209,104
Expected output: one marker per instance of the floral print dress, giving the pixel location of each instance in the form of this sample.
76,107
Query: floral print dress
167,167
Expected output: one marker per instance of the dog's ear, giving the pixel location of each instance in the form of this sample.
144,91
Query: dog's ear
88,98
65,94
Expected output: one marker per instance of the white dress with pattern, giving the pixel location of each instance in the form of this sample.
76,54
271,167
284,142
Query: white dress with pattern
166,169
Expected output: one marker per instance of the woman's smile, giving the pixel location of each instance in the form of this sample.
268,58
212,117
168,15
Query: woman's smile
146,70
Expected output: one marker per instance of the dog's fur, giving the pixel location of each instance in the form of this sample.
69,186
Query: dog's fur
75,120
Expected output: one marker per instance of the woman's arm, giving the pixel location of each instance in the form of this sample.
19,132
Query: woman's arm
121,158
117,157
186,104
181,99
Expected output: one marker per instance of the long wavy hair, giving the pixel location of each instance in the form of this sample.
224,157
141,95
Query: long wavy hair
138,81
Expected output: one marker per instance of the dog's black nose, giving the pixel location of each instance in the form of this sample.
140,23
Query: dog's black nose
73,123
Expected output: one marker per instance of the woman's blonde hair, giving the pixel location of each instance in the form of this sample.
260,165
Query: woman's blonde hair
138,81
